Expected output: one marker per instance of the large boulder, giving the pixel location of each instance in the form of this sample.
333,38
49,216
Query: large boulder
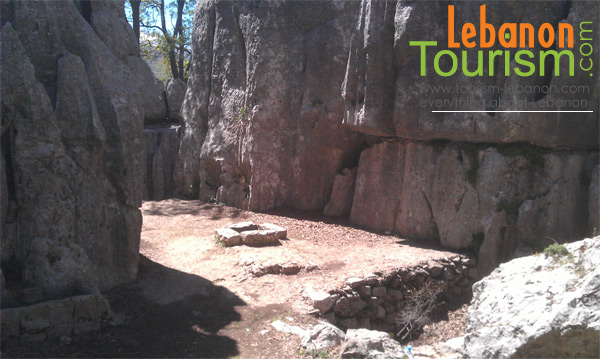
340,203
370,344
72,151
538,307
150,91
175,95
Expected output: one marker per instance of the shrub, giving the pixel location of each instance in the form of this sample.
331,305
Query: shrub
418,310
556,250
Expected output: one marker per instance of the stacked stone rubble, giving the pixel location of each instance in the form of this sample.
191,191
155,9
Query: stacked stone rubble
375,301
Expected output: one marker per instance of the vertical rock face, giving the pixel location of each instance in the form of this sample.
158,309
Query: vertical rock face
281,97
161,154
175,95
383,86
72,150
340,203
482,197
262,112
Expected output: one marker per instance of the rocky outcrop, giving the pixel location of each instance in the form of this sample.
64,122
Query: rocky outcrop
370,344
383,87
487,198
72,155
161,144
151,92
275,110
340,203
541,306
262,112
175,95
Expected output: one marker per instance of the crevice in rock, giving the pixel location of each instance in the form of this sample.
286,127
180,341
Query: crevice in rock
85,8
8,166
567,9
7,11
436,227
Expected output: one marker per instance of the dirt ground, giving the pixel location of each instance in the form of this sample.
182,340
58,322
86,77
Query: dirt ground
194,298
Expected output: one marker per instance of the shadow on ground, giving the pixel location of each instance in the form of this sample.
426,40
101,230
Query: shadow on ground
165,313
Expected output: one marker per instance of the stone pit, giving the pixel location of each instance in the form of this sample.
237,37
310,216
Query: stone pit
250,234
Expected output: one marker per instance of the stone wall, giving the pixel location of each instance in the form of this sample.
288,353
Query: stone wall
283,97
72,146
376,300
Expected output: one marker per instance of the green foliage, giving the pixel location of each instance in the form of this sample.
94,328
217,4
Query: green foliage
247,192
193,192
556,250
162,44
219,243
472,152
534,154
510,207
240,115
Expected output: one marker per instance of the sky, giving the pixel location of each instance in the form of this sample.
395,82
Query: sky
170,21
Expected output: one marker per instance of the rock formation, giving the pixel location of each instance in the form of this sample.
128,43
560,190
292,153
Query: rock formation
72,150
175,95
538,307
161,145
282,96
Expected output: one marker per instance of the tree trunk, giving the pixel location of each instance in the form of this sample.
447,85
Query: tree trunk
170,42
178,32
135,11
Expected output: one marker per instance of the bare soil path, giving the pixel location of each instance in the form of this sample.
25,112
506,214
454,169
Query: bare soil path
194,298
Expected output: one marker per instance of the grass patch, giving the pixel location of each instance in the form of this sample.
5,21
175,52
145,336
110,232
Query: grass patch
219,243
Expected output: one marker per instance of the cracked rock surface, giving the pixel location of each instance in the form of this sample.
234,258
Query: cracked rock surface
538,307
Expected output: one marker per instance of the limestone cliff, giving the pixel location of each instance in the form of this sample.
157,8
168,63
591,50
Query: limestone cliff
72,150
284,95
